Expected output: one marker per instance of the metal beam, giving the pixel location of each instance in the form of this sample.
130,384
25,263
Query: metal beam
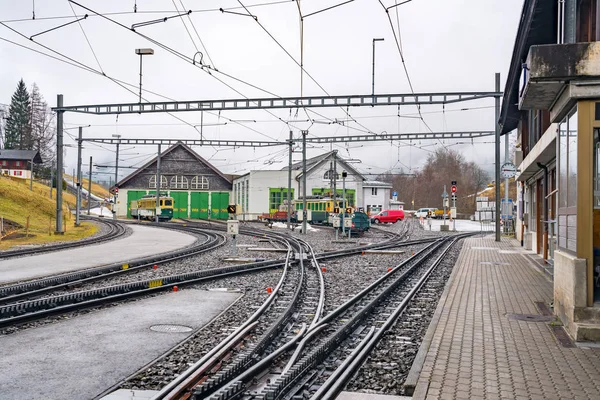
400,136
367,100
326,139
189,142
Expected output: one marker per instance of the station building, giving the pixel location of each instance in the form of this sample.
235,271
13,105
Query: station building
199,189
552,100
263,191
18,163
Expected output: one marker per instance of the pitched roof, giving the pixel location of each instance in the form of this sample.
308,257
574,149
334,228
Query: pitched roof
27,155
316,162
368,184
169,150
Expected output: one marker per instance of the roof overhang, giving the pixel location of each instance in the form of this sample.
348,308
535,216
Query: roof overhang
536,27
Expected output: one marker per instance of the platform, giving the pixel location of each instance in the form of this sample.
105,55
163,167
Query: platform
490,339
143,241
82,357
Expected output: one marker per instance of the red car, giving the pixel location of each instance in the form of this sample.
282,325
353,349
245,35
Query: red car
388,216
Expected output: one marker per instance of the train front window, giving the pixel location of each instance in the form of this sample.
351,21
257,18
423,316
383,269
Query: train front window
168,202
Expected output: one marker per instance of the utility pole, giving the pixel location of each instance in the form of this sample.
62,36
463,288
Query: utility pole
31,175
51,178
157,185
506,160
497,146
304,213
334,177
343,198
78,201
373,80
289,193
117,172
59,165
90,187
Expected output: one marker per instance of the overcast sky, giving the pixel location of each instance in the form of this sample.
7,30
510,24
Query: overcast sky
448,45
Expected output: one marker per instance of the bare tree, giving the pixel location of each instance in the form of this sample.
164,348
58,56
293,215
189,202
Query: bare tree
42,127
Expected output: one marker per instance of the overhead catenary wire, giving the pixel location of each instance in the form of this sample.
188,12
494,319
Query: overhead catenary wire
87,68
137,11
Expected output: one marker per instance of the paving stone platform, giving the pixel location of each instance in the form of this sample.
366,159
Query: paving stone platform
478,350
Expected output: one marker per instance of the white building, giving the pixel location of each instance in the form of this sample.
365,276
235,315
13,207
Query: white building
376,196
260,192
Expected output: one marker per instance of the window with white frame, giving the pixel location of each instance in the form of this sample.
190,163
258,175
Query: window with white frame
164,183
373,191
200,182
178,182
329,175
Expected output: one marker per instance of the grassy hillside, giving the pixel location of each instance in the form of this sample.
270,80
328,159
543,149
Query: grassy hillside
98,190
17,203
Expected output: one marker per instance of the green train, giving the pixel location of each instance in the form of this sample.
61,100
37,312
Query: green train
145,208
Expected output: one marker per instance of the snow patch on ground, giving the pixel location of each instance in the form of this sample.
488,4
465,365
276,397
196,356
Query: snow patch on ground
309,227
106,212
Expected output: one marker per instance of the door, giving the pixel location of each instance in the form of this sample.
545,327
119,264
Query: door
180,207
218,204
199,205
539,214
131,196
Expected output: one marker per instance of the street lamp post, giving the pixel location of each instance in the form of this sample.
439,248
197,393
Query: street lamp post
373,82
141,53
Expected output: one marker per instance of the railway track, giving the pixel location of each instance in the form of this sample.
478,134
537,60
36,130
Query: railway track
285,365
115,231
215,373
33,288
17,305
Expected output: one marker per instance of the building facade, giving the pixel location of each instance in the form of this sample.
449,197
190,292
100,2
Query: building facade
376,196
552,100
259,192
199,189
18,163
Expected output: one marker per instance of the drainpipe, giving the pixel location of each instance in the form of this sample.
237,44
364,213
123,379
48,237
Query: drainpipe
545,222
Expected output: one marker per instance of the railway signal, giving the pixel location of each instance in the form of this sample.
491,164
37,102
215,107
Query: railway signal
453,189
231,209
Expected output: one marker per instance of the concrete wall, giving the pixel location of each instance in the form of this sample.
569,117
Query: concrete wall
570,289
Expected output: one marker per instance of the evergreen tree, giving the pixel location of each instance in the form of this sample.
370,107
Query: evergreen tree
18,129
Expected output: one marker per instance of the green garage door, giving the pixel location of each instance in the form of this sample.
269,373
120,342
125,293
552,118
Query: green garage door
133,195
180,207
199,205
218,204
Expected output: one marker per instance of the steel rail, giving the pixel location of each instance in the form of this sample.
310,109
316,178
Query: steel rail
285,382
27,311
237,385
337,381
35,309
250,357
185,379
20,291
116,231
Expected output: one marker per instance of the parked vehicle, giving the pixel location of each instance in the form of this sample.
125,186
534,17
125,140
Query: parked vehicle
425,212
388,216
